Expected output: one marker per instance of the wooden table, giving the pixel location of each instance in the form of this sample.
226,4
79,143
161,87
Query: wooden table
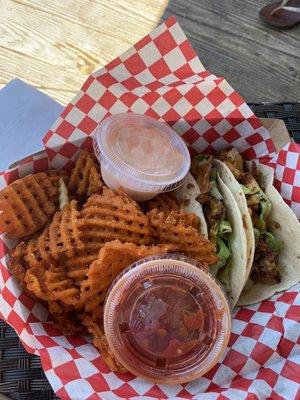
260,62
54,45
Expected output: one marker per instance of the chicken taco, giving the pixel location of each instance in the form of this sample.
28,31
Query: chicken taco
271,227
224,226
186,195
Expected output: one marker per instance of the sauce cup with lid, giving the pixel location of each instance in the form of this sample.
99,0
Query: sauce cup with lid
167,319
140,154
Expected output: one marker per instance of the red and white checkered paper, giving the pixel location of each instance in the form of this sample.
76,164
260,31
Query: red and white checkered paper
161,76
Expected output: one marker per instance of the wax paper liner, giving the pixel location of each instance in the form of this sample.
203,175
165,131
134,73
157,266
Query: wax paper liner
161,76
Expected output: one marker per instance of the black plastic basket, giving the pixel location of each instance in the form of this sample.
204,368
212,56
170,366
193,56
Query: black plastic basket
21,375
288,112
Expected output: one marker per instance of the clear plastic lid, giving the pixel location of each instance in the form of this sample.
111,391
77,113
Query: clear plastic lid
166,319
142,152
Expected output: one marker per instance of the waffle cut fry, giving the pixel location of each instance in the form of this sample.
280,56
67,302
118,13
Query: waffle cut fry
96,329
78,265
115,216
51,283
18,264
85,177
113,258
187,219
27,204
55,176
69,323
106,217
39,265
178,228
61,238
164,203
64,235
47,276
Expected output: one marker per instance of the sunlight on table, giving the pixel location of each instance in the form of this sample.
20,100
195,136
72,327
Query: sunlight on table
55,45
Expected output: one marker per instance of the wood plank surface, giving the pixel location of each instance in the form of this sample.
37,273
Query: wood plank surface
262,63
54,45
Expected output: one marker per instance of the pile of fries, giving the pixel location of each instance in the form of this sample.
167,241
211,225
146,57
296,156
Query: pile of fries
77,236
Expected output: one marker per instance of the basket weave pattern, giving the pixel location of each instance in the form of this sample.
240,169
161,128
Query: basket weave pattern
21,375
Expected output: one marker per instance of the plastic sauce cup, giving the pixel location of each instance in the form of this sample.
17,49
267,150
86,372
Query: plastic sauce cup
142,155
166,319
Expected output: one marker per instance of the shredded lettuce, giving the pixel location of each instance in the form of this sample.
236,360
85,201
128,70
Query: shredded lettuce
246,190
201,157
214,186
223,254
224,227
213,175
215,191
256,235
274,243
223,251
265,211
223,277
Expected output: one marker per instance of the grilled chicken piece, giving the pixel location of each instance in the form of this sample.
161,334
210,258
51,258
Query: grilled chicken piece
201,171
265,265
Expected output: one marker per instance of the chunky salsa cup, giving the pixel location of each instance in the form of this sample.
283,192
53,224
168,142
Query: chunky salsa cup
144,156
166,319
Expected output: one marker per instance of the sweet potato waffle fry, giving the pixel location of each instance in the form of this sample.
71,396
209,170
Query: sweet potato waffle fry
51,283
40,274
78,265
85,177
166,203
69,323
185,218
55,176
113,258
56,307
17,263
27,204
163,203
106,217
64,231
100,342
37,266
112,216
72,263
61,237
175,228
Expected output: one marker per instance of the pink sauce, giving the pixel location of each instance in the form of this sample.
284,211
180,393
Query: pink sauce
144,156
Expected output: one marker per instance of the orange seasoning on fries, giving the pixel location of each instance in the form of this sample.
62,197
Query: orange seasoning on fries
166,319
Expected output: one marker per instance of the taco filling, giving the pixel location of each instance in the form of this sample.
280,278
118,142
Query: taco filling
214,211
266,264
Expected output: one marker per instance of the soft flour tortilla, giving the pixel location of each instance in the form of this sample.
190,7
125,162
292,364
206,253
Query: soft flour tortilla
284,224
239,196
186,196
238,243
